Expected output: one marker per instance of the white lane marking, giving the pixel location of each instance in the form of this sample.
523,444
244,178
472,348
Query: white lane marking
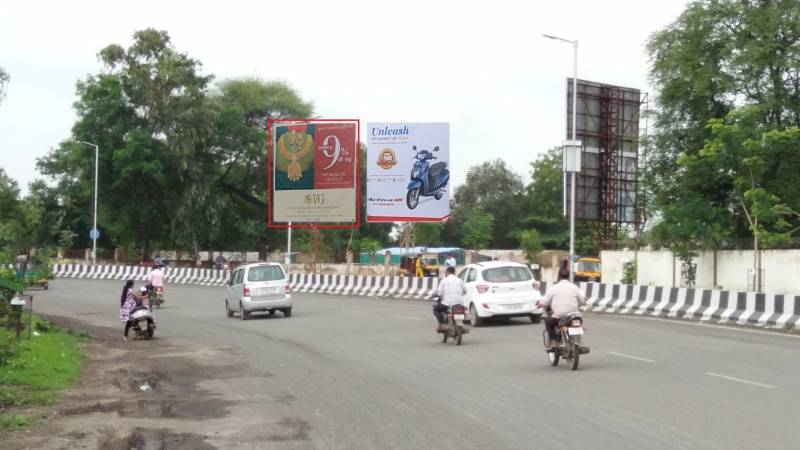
775,333
623,355
355,311
740,380
409,317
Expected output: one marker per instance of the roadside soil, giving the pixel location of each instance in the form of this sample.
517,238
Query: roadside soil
141,394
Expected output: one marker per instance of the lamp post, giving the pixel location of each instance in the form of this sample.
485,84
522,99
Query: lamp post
94,233
571,156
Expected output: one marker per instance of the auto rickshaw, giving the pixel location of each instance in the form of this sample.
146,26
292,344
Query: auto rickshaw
588,269
430,265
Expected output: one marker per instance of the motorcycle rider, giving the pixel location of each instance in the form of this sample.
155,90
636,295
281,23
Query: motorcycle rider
450,291
561,299
155,279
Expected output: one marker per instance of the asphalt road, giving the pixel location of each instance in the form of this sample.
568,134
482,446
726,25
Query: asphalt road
369,373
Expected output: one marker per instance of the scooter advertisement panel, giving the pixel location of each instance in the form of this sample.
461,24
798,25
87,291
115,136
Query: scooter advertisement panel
408,172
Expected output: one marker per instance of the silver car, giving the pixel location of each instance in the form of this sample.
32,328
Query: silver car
258,287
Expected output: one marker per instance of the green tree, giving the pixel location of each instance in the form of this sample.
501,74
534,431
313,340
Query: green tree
531,243
477,229
370,246
495,189
428,234
4,78
718,56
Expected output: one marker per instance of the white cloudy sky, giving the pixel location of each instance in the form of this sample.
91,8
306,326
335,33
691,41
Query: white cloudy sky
482,66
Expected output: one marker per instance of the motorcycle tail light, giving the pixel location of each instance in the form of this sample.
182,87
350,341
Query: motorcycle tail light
576,322
482,288
458,309
246,291
288,288
159,290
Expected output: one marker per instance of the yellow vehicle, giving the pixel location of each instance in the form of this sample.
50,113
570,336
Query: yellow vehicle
588,269
430,265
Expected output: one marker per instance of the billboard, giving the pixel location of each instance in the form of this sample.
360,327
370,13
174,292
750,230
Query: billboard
313,170
608,125
408,172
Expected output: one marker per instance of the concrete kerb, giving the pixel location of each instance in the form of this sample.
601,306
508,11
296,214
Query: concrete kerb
702,305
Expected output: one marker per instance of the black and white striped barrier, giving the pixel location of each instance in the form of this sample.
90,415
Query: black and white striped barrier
180,275
705,305
372,286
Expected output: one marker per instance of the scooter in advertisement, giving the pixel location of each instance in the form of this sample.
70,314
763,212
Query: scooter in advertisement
426,180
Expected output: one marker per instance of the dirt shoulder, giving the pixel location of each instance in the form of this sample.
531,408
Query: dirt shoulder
147,394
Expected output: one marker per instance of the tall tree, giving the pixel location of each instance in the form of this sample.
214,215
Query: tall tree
717,56
495,189
477,229
3,83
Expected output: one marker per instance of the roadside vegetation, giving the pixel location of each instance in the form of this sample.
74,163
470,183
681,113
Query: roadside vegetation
36,363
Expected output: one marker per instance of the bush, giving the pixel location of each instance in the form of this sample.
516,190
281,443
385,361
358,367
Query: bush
628,272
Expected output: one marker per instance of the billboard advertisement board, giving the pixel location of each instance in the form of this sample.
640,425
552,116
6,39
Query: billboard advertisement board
408,172
313,171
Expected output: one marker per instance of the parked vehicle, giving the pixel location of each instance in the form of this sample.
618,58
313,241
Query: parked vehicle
430,265
501,289
569,334
258,287
156,295
426,180
455,326
142,322
588,269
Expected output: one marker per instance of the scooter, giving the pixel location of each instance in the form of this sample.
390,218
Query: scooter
142,322
426,180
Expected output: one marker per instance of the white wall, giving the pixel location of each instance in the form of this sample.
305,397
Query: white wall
781,269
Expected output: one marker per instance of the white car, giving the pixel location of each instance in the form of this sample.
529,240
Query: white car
501,289
258,287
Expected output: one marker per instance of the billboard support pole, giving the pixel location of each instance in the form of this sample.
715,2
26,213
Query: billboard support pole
289,249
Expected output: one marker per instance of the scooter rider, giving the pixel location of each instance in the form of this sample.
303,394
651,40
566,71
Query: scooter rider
450,291
562,298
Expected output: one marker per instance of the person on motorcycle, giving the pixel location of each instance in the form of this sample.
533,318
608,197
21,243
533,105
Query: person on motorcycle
451,292
133,300
561,299
155,279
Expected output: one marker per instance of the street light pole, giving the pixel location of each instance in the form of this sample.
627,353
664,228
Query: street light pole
94,226
573,143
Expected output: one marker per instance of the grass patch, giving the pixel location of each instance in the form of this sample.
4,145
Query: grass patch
13,422
44,365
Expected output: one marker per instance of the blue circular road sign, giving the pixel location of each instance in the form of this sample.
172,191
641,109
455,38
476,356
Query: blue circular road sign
94,234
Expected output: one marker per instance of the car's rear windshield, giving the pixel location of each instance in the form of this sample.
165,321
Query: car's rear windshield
265,273
507,274
430,260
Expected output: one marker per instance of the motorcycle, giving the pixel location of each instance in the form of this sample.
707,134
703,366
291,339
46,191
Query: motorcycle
455,326
426,180
142,322
569,333
156,297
